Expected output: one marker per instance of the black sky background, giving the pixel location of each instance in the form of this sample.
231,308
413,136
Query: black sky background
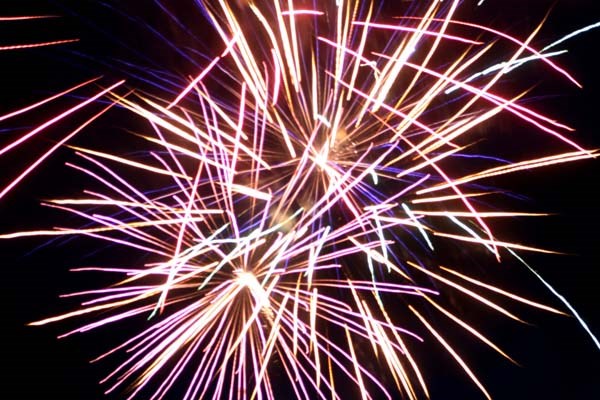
559,360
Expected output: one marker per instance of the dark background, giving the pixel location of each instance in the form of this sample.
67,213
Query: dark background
559,360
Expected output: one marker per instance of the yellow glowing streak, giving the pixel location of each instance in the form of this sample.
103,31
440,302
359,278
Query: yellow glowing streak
40,44
452,352
355,363
466,291
503,292
529,164
131,163
314,345
447,198
480,214
270,343
469,329
497,243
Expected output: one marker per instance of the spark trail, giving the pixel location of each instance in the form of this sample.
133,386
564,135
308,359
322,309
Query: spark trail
302,185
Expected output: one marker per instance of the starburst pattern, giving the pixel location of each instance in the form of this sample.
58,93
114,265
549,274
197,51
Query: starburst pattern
290,201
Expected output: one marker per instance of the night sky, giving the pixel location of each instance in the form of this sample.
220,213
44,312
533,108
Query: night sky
558,360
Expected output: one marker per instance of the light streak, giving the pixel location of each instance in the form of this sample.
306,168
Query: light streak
279,227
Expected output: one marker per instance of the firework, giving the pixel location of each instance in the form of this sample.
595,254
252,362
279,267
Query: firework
21,46
290,202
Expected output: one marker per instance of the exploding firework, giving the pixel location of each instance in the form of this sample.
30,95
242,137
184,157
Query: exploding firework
295,204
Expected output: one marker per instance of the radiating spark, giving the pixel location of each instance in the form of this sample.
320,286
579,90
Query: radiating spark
26,17
273,202
39,44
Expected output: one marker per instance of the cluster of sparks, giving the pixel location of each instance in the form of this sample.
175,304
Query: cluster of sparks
300,185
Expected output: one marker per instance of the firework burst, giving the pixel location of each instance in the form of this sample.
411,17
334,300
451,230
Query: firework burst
290,202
